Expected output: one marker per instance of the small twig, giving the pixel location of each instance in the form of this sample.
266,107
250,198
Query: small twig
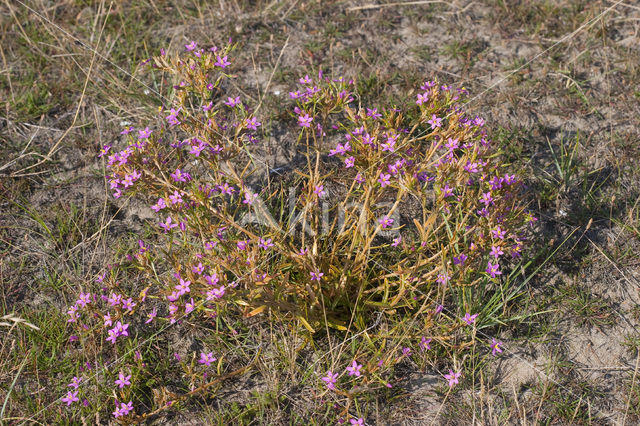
407,3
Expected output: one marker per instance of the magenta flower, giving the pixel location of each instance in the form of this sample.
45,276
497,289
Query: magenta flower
373,113
73,313
265,244
493,269
197,149
435,122
253,123
124,409
75,382
168,225
452,378
221,62
215,293
123,380
144,134
122,329
396,241
151,315
70,398
183,287
460,259
486,199
316,276
226,189
498,233
319,191
354,369
189,306
496,251
232,102
359,421
305,120
128,304
212,279
191,46
207,359
330,379
159,205
349,162
113,335
406,352
443,279
105,149
425,344
386,222
495,346
469,319
422,98
384,179
452,144
198,269
388,145
249,197
305,80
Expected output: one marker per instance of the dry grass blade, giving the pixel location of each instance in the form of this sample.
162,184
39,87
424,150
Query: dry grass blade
10,320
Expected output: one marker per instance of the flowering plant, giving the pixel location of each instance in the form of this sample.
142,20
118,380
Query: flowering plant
400,212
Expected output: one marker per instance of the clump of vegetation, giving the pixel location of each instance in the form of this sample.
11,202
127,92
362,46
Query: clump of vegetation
394,229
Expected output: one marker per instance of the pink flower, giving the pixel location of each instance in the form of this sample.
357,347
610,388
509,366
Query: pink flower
144,134
75,382
159,205
151,315
349,162
189,306
386,222
215,293
443,278
319,191
70,398
253,123
452,378
495,346
305,120
207,359
469,319
122,329
359,421
354,369
183,287
384,179
496,251
198,269
113,335
493,269
330,379
221,61
249,197
168,225
425,344
265,244
191,46
231,102
435,122
316,276
123,380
